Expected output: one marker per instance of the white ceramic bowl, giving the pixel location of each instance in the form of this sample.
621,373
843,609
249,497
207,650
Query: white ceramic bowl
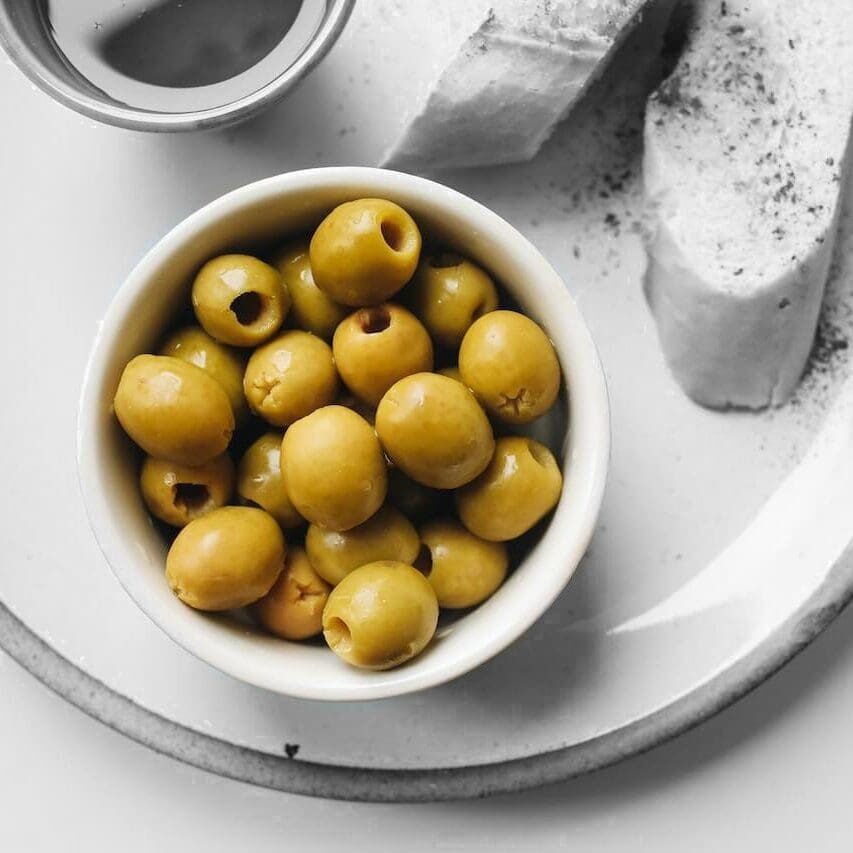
146,305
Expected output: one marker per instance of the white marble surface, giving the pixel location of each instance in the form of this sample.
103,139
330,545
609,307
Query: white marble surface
773,772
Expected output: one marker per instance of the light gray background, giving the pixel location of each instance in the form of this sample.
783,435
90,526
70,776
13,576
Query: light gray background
774,772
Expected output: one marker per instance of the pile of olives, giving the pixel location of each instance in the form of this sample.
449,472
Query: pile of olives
386,472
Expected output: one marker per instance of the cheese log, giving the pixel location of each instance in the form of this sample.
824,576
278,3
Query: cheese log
511,82
746,147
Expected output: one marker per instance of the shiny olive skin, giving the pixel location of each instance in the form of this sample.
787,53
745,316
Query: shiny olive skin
374,347
508,362
413,499
380,615
333,468
521,485
289,377
364,251
464,569
228,558
432,427
260,481
293,608
239,300
173,410
225,364
177,494
386,535
448,293
310,308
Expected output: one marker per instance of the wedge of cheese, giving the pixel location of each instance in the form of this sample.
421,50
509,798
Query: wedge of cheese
514,78
746,147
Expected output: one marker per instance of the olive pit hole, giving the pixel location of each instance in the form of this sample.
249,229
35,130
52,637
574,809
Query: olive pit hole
443,260
190,498
248,307
338,634
374,320
392,234
423,562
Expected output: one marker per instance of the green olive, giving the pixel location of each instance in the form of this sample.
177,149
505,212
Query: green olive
239,300
333,468
293,608
449,293
173,410
224,364
311,309
386,535
463,569
228,558
521,485
290,377
413,499
374,347
364,251
177,494
509,363
432,427
260,482
380,615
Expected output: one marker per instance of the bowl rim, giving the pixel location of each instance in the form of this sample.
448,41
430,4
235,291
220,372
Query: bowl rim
131,118
590,452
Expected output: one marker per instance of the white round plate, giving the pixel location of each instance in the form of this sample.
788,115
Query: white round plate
723,546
